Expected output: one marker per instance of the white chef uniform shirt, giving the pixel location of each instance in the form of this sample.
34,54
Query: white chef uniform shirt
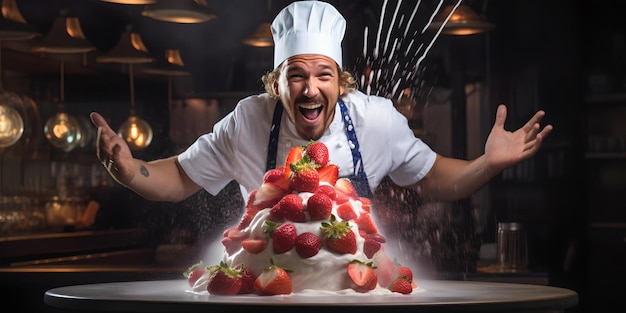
237,147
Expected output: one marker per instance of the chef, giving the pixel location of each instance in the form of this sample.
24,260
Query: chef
309,96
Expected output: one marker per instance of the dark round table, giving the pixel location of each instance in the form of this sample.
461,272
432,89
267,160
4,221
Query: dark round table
433,296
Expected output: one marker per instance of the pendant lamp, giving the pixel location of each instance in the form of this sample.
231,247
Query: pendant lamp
262,35
12,23
171,65
179,11
65,36
62,130
460,19
130,50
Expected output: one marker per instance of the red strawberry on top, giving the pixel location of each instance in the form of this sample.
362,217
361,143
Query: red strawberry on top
319,207
194,272
304,179
276,176
318,152
338,236
329,174
363,275
289,208
225,280
274,281
294,155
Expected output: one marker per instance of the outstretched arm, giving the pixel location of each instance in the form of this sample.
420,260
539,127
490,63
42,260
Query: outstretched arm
454,179
159,180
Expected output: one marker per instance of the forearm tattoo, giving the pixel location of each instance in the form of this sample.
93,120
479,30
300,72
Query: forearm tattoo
144,171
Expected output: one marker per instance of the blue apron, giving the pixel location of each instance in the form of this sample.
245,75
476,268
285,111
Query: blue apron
358,178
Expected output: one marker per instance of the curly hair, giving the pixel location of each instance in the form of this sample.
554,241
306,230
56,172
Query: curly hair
345,78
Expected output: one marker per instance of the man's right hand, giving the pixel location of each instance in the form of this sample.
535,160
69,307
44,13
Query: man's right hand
113,152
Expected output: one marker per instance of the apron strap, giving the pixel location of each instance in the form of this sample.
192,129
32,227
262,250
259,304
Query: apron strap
359,178
272,147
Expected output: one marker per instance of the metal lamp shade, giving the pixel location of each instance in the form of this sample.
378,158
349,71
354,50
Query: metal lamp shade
463,21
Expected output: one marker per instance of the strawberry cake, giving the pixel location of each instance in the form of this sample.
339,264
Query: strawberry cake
304,230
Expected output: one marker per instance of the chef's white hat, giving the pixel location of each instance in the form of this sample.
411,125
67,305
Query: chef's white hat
308,27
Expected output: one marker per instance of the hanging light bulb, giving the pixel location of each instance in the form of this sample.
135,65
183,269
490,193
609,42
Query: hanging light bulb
11,126
136,132
63,130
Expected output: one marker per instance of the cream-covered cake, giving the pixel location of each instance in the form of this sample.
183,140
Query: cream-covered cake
304,230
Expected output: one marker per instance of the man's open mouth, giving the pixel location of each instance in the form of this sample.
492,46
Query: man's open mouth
311,111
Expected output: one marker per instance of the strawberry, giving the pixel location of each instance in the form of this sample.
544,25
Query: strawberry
362,275
254,246
283,236
366,223
307,244
232,239
235,233
294,155
194,272
304,179
247,218
247,280
289,208
276,176
267,195
375,236
329,174
405,271
338,236
327,190
274,281
370,247
401,285
319,207
224,280
317,152
346,212
343,185
386,268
